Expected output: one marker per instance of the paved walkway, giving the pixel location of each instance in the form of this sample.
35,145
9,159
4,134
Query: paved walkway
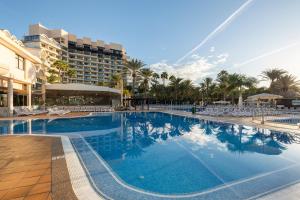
27,171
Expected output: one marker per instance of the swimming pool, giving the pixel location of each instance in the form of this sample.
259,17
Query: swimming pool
155,155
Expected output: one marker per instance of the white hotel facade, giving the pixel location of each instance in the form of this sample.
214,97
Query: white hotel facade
17,73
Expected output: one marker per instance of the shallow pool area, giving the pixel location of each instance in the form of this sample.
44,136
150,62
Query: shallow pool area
154,155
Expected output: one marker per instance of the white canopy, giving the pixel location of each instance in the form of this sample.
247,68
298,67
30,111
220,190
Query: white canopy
264,96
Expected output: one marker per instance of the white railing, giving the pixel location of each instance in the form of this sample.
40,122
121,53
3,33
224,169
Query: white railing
277,117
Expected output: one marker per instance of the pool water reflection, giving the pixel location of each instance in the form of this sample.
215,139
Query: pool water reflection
170,154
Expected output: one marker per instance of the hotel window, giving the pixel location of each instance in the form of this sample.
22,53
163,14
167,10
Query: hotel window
19,62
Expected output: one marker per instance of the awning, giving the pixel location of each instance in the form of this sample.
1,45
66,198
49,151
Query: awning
264,96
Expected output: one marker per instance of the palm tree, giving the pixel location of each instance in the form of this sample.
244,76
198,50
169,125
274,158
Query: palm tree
116,81
164,76
175,85
60,69
186,90
287,86
238,81
272,75
71,73
222,79
155,77
206,86
134,67
146,76
172,78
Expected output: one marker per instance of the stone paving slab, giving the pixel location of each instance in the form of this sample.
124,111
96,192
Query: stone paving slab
27,169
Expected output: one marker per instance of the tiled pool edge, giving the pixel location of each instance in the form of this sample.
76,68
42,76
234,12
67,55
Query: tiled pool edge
80,182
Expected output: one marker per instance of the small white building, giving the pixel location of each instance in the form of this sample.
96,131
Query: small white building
17,73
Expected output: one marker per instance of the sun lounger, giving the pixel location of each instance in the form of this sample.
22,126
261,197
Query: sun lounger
22,112
26,112
55,111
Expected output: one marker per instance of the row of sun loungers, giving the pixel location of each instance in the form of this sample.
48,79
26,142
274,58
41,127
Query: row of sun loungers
87,108
26,111
61,110
50,111
237,112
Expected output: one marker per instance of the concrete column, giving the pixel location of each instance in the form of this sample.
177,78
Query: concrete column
29,127
29,96
11,127
10,96
43,95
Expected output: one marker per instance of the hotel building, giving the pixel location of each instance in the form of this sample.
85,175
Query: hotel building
94,61
48,50
18,69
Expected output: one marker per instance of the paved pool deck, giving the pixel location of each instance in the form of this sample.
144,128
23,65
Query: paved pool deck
33,167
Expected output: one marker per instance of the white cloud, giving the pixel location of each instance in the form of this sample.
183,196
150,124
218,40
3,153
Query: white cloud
194,69
212,49
222,58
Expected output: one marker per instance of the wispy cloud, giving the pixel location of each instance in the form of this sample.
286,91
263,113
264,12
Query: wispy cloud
266,54
212,49
220,28
195,69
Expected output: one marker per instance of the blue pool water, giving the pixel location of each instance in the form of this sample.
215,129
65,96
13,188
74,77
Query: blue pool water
157,155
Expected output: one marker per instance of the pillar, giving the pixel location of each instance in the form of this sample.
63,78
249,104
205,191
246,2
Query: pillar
10,96
29,96
43,94
29,127
11,127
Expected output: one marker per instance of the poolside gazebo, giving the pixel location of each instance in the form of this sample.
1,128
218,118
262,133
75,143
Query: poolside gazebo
264,97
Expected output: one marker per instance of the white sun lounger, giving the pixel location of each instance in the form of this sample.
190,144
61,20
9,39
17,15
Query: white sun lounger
55,111
26,112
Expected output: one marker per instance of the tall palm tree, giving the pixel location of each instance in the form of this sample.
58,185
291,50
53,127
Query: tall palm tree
60,69
223,83
146,77
134,66
116,80
238,82
186,90
146,74
288,86
164,76
175,85
172,78
155,77
272,75
206,85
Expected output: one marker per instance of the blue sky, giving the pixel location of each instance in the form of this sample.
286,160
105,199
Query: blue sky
266,33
